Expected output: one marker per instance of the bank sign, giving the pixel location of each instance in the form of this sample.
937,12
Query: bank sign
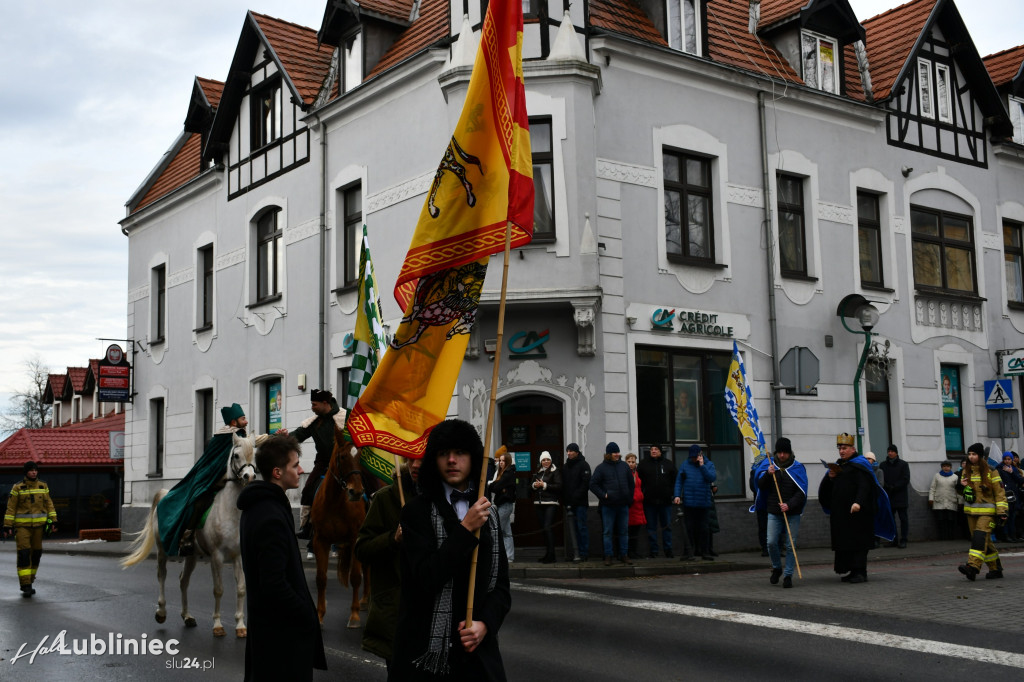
689,321
1013,363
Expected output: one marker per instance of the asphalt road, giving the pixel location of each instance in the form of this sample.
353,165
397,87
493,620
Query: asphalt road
917,619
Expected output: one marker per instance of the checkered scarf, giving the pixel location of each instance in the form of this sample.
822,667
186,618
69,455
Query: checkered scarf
435,658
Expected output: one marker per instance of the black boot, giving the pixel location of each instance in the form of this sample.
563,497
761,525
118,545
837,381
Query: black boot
27,591
970,571
187,544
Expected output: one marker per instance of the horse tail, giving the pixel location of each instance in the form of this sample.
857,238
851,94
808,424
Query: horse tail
147,537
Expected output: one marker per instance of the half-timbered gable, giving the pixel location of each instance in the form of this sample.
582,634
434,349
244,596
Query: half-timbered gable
935,88
277,73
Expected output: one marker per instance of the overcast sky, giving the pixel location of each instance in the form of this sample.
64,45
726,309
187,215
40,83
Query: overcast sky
91,95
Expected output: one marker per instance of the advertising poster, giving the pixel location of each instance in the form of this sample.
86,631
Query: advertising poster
274,422
950,391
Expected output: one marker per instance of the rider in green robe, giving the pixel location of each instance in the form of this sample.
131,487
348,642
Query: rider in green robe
179,512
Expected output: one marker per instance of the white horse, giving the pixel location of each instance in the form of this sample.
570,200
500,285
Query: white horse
218,539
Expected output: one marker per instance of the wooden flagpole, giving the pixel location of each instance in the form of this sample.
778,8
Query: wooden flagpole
490,416
398,480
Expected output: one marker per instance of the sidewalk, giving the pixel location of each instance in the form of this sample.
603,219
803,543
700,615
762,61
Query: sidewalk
595,568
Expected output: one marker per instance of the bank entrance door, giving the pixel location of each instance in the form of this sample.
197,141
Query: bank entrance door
532,424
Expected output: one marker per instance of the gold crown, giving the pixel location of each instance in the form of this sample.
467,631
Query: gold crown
844,439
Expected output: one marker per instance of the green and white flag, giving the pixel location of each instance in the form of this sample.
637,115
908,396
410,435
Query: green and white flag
368,341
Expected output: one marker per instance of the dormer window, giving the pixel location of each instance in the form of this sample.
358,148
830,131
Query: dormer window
819,62
352,62
682,25
1017,118
266,113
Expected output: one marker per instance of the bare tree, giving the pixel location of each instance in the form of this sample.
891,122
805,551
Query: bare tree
27,409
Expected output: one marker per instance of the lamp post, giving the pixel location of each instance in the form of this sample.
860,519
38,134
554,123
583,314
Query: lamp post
858,307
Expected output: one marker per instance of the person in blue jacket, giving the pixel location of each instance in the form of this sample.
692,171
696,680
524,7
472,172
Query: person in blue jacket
693,491
613,485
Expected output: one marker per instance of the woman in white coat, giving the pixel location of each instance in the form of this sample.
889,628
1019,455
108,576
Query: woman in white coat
942,500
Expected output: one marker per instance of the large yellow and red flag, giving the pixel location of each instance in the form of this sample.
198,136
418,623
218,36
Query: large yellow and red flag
483,186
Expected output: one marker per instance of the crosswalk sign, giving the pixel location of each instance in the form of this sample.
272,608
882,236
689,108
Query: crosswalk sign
999,394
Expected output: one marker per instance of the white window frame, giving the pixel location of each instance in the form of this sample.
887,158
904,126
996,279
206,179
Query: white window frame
695,279
925,89
1017,118
351,61
818,71
682,26
943,102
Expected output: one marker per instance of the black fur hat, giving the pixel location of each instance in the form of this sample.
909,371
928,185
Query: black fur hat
453,434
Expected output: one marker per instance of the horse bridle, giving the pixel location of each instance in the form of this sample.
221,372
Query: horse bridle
343,480
237,473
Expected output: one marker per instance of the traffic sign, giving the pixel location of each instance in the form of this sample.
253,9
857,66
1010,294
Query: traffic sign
998,394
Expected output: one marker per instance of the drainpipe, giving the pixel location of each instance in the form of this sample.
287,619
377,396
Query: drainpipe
773,324
322,321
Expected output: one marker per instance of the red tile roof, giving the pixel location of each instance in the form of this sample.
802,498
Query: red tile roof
777,10
431,27
212,89
625,17
59,447
890,38
729,42
108,422
854,85
76,377
306,64
397,9
182,168
1004,66
56,385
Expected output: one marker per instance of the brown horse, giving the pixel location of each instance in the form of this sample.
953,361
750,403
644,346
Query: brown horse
338,512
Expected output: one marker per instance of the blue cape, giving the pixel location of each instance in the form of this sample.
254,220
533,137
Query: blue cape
885,525
795,471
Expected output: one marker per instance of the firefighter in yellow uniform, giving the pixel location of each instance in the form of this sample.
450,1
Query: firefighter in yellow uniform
30,513
984,503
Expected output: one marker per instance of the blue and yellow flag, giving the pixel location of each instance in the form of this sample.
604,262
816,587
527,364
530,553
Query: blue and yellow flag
741,406
483,186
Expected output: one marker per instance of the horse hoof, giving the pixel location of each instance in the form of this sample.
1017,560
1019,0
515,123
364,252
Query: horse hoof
241,633
190,622
354,624
161,617
218,632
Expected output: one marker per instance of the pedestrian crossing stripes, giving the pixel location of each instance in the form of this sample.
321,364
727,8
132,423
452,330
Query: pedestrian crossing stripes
869,637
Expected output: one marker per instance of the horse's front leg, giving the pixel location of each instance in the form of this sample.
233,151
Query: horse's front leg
216,564
186,575
240,629
161,577
356,577
322,551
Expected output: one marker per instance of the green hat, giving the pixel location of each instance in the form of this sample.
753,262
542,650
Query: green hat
231,413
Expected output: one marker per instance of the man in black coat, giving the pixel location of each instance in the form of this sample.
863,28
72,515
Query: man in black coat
658,480
848,494
613,485
896,480
284,641
576,495
433,640
321,429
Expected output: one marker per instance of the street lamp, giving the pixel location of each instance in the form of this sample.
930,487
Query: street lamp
859,308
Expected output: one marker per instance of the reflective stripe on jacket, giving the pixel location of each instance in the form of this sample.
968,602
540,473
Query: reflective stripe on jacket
986,502
29,505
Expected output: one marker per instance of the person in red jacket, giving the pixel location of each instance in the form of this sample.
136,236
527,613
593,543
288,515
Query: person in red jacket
637,519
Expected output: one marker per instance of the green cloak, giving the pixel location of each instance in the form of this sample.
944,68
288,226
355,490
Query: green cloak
175,508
